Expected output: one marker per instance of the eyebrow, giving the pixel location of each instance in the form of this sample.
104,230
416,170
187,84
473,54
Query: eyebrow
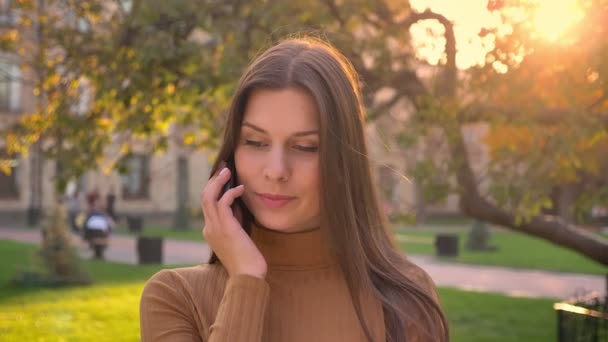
297,134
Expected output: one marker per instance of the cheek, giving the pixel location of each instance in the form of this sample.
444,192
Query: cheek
245,166
311,179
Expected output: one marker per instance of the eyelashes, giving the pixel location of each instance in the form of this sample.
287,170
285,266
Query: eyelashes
254,143
259,145
310,149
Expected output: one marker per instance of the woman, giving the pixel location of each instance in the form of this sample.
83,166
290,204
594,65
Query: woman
301,249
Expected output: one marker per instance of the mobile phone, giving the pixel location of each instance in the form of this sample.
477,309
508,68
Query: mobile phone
232,182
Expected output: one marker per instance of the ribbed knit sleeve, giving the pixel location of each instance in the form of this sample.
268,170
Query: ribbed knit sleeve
168,311
242,311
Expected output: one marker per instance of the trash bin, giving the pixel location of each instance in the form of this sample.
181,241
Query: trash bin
149,250
583,319
446,245
135,224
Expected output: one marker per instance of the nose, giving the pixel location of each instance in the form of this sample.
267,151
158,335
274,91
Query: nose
277,168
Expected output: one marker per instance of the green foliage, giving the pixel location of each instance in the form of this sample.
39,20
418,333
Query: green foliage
432,180
546,118
549,111
139,69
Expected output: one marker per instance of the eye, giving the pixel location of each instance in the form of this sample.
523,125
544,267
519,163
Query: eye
310,149
254,143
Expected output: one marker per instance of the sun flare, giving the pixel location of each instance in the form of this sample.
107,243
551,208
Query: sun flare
553,19
549,20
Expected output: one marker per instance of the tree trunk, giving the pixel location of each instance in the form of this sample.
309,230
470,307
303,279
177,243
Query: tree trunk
34,210
182,214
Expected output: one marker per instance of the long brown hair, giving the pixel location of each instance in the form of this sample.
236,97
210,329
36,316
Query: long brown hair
359,234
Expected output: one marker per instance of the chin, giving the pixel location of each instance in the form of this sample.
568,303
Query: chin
284,224
274,223
271,220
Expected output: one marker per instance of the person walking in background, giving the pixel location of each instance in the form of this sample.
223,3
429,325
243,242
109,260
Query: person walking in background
97,226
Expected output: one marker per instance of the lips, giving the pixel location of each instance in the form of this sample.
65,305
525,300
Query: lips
274,201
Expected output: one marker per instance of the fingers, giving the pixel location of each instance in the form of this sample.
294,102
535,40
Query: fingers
212,190
222,219
230,195
220,167
225,204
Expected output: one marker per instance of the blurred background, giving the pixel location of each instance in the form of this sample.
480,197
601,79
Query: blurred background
487,128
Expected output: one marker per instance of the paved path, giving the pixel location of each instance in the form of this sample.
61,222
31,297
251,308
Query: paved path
123,248
514,282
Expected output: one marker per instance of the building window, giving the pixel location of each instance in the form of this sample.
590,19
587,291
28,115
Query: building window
135,183
9,184
7,14
10,86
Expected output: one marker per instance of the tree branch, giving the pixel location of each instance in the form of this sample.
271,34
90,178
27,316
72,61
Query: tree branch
406,82
448,87
548,227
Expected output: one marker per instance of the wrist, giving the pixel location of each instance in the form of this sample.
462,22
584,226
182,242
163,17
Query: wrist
253,273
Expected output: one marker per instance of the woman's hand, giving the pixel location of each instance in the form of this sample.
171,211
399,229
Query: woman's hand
223,231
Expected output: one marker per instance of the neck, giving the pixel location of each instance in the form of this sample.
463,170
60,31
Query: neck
299,250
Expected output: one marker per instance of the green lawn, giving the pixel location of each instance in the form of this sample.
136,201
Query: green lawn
514,250
483,317
105,311
190,235
108,310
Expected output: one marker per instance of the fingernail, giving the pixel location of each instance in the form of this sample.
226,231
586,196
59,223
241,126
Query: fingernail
224,170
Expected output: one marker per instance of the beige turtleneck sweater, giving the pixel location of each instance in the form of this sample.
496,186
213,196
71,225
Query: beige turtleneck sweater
303,298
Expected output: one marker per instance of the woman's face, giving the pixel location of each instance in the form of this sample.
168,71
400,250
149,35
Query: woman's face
277,159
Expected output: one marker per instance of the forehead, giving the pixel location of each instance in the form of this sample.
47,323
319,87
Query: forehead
282,111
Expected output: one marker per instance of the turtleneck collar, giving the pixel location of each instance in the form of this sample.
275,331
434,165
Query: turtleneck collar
294,251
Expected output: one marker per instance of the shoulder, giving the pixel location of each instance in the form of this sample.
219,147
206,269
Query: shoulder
190,276
181,302
186,282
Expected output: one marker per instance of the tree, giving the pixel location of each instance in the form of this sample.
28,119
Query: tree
136,64
156,63
546,107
